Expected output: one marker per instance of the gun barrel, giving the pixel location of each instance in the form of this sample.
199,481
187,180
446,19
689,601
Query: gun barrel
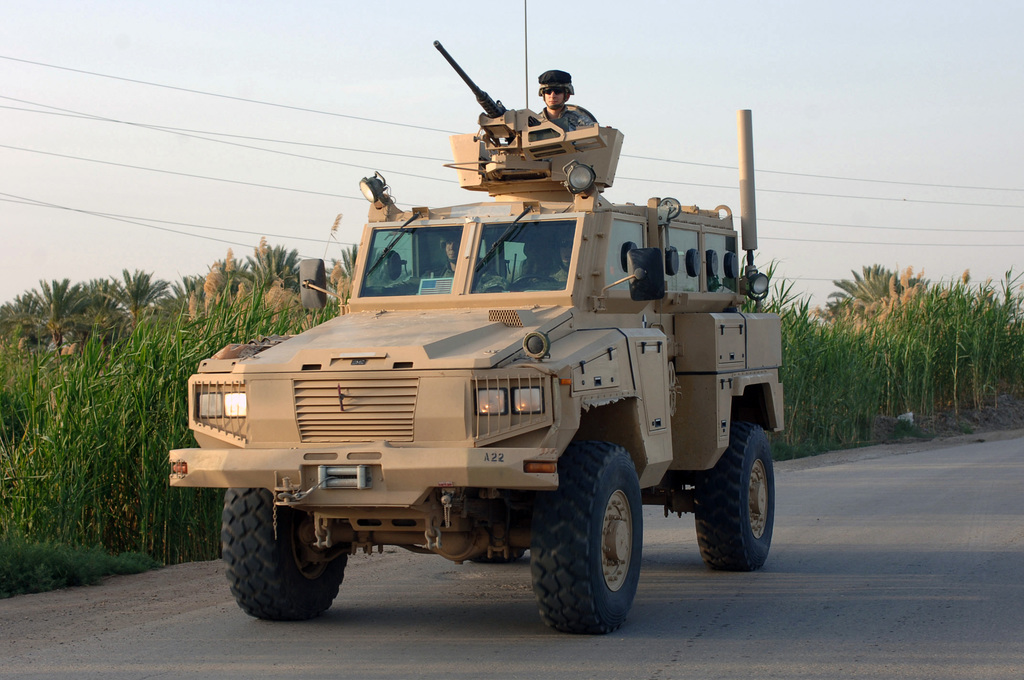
491,108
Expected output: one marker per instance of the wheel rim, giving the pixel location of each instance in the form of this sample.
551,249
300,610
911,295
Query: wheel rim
616,540
757,499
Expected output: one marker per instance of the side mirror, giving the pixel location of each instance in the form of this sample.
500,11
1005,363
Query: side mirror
648,268
312,272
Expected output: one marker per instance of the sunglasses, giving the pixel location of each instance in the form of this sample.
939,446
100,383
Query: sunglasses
554,90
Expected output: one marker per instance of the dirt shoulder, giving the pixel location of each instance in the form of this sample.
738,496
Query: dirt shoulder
41,620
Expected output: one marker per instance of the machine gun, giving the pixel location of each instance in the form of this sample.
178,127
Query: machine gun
490,107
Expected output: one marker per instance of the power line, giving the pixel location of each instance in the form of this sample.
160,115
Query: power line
135,221
198,134
820,176
157,128
68,113
44,204
37,203
180,174
821,195
224,96
431,129
889,228
885,243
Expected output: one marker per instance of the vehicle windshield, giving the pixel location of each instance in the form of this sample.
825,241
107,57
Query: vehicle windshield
412,261
513,256
524,256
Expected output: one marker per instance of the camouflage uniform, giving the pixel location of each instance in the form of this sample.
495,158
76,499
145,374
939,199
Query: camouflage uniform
572,117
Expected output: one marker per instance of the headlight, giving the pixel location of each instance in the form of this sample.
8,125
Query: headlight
527,400
491,402
222,405
234,404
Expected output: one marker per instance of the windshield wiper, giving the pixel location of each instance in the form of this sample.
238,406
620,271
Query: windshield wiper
509,232
402,231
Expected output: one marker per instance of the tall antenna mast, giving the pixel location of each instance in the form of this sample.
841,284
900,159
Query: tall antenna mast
526,57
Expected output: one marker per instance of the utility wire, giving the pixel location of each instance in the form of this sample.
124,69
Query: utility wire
955,230
33,202
68,113
135,220
180,174
821,195
228,143
12,198
819,176
225,96
43,204
420,127
886,243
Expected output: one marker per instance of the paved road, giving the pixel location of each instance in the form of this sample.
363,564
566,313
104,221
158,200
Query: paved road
899,566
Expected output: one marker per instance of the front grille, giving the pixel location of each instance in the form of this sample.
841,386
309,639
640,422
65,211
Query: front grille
355,409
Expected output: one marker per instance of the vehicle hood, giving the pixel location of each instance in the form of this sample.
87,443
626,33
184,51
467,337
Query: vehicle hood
463,338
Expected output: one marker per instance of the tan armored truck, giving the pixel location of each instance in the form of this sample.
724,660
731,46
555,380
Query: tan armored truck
518,374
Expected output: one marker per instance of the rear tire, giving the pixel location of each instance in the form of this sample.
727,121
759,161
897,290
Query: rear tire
735,503
587,540
277,578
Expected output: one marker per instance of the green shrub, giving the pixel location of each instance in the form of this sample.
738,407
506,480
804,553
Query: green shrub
37,567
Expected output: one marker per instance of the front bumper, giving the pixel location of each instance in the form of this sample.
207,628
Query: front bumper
397,476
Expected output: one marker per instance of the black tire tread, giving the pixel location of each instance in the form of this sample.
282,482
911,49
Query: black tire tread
561,551
722,520
264,579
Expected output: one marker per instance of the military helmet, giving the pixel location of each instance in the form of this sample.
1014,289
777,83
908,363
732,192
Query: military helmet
555,78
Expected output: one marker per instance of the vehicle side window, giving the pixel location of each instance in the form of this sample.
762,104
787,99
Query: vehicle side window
622,234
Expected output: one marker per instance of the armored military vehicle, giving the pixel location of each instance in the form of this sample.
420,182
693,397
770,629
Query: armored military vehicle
516,374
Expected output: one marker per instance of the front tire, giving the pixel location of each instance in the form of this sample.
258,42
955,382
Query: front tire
735,503
587,540
280,577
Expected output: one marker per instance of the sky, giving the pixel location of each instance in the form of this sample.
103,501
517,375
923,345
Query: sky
156,136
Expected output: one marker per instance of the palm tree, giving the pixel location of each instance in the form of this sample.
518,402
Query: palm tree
274,265
348,261
864,292
103,313
343,270
61,306
19,319
183,294
139,294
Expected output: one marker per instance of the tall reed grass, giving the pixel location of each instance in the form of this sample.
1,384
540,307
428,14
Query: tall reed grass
84,440
83,450
949,346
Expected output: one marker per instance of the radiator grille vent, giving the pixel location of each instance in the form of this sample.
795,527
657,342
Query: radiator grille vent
355,410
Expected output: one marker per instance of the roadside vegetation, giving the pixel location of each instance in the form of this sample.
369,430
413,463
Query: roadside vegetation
36,567
93,384
891,343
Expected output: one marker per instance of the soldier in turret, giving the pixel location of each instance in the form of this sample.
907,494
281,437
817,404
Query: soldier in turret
556,88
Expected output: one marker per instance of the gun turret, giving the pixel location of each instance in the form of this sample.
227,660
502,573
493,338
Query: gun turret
491,108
